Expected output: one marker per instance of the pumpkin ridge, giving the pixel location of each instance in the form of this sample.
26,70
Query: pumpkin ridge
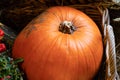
78,56
83,55
91,55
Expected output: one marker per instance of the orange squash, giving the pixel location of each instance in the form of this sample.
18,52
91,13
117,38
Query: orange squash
60,44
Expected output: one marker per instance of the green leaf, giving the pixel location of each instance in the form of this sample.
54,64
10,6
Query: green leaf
18,60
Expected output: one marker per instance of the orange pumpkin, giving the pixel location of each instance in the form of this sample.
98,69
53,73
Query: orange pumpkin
60,44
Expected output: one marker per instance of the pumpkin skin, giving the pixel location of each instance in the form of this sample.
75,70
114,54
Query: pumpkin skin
50,54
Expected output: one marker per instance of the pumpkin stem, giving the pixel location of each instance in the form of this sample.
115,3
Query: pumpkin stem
67,27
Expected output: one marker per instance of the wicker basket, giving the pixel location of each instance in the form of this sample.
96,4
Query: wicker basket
110,50
99,13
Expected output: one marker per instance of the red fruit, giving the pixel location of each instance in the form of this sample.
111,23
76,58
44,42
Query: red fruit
2,47
8,77
1,33
1,78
